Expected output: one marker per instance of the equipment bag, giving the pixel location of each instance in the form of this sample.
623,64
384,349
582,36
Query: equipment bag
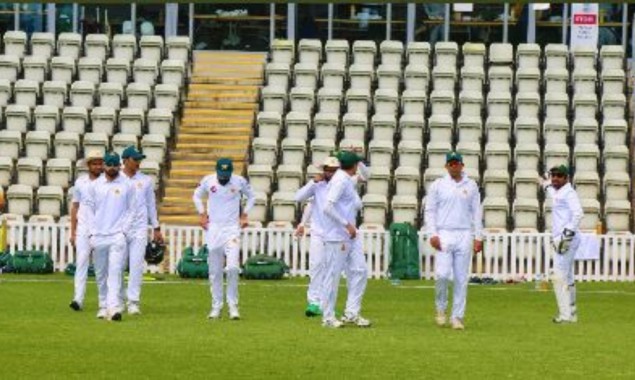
6,262
71,268
264,267
404,252
193,265
32,262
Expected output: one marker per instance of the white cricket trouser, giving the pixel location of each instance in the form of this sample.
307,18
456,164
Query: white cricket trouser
317,270
82,261
564,280
453,261
136,251
223,257
109,263
347,256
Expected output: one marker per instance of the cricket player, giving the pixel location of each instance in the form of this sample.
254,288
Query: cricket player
453,222
315,190
222,220
111,203
145,214
80,229
567,214
342,245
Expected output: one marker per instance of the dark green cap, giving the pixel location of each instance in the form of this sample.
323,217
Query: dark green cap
347,158
561,169
112,159
224,167
132,152
453,156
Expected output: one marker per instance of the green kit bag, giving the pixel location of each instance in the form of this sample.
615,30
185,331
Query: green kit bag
193,265
404,252
264,267
32,262
71,268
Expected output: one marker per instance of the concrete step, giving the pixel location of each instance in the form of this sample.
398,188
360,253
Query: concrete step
214,130
197,112
209,138
179,220
220,105
207,156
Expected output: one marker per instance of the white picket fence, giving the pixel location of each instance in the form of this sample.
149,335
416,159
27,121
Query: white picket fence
505,256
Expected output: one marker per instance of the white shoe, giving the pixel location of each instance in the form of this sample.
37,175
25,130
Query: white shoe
559,320
102,314
133,308
332,323
214,314
234,315
457,324
357,320
441,318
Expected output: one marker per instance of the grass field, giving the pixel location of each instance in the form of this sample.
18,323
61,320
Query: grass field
509,334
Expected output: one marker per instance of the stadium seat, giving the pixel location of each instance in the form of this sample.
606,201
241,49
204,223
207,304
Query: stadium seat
616,186
38,144
269,124
103,120
96,141
556,105
310,51
416,78
473,54
413,102
525,184
497,156
311,172
528,80
90,69
320,149
418,53
444,78
18,117
260,178
584,57
274,99
585,131
337,52
5,92
326,125
445,53
66,145
160,122
10,143
9,67
298,125
302,100
388,77
20,199
166,96
471,103
471,152
59,172
6,171
585,105
587,183
617,214
139,95
289,177
555,154
364,52
556,80
442,102
145,71
501,54
305,75
63,69
284,207
265,151
412,127
50,200
97,46
435,153
391,52
153,170
528,56
74,119
472,78
358,101
80,170
111,95
431,174
499,104
469,129
277,75
386,101
35,68
42,44
124,46
383,127
614,132
333,76
495,214
527,129
410,153
584,81
355,126
121,141
591,218
259,212
132,121
379,180
556,130
616,159
407,180
496,183
69,45
355,145
527,156
154,147
613,107
178,48
329,100
361,76
117,70
498,129
526,213
173,72
151,48
405,209
500,79
612,57
15,43
440,127
528,104
26,92
82,94
380,153
375,208
54,93
29,171
556,56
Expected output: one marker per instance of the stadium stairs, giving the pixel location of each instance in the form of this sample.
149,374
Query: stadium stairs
218,119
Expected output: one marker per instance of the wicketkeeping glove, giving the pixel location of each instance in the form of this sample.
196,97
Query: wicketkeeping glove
562,243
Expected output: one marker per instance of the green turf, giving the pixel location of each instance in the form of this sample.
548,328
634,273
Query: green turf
509,334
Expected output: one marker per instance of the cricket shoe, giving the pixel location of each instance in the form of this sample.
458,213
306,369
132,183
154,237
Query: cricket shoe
75,306
312,310
559,320
457,324
214,314
332,323
116,317
102,314
356,320
234,315
441,319
133,308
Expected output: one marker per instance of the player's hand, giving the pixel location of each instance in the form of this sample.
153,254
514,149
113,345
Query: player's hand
435,242
300,230
204,221
244,221
318,178
544,180
157,236
352,231
73,239
478,246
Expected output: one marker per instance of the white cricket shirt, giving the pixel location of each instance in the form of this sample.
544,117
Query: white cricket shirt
223,202
112,205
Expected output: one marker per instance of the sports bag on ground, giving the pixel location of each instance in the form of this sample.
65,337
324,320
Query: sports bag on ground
32,262
404,252
71,268
193,265
264,267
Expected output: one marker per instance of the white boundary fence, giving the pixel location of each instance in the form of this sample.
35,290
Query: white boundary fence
505,255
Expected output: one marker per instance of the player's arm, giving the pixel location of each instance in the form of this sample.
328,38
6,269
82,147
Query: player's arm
90,204
430,214
197,198
307,191
74,209
306,216
248,193
151,204
477,219
131,204
577,213
336,189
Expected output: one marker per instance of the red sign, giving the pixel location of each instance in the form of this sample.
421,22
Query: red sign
585,19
